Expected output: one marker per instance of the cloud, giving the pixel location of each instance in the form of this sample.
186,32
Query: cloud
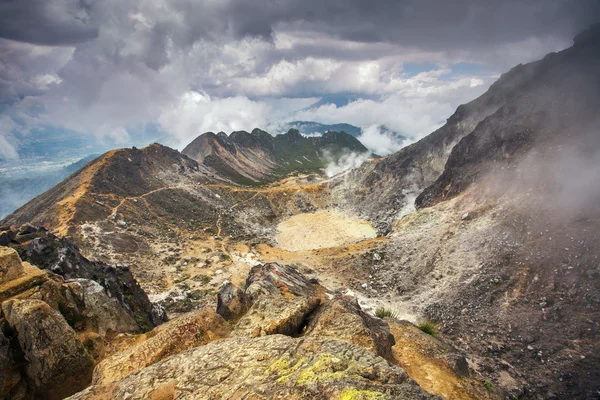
381,142
49,22
419,106
196,113
111,67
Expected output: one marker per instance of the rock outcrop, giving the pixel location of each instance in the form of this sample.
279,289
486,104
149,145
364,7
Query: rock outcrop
57,362
342,318
10,265
268,367
278,299
183,333
62,257
53,330
258,362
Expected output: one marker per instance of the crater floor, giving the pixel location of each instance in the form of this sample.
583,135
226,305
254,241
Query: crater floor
322,229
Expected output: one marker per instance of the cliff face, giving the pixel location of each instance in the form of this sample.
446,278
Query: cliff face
556,108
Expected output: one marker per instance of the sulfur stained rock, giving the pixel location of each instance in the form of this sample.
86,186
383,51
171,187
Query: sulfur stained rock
183,333
435,365
342,318
58,364
268,367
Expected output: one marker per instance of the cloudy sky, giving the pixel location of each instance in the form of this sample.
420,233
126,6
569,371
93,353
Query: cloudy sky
122,68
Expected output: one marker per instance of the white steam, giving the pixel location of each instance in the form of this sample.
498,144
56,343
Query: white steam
346,162
381,142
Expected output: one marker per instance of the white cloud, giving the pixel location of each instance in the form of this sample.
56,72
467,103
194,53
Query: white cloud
196,113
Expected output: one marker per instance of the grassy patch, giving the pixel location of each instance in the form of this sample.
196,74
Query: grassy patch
383,312
428,326
488,385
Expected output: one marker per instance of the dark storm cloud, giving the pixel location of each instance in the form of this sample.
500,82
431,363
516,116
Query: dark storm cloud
49,22
428,24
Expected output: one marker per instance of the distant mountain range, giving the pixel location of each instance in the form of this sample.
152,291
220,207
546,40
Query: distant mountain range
256,157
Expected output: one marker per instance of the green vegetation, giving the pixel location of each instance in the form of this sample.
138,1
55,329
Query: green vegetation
428,326
488,385
383,312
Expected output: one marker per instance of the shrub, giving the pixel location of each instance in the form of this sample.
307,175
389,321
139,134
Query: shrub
488,385
383,312
428,326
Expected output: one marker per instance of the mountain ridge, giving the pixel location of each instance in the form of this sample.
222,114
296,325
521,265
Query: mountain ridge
252,158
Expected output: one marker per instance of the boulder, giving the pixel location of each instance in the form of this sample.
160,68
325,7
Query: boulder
102,313
58,363
231,302
342,318
279,298
435,365
268,367
10,265
183,333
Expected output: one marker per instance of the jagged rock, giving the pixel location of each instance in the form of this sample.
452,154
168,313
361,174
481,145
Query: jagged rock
103,313
186,332
231,302
10,265
58,364
276,279
342,318
27,229
279,299
265,368
62,257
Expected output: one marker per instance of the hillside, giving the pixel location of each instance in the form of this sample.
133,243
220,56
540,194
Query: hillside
258,157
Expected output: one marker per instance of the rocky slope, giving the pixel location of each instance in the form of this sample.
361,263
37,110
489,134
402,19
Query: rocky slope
290,341
252,158
503,249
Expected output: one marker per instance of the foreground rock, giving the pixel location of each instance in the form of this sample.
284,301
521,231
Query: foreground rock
62,257
186,332
264,368
278,298
52,330
342,318
436,366
58,364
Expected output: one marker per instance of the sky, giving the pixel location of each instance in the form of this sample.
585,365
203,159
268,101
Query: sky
118,69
